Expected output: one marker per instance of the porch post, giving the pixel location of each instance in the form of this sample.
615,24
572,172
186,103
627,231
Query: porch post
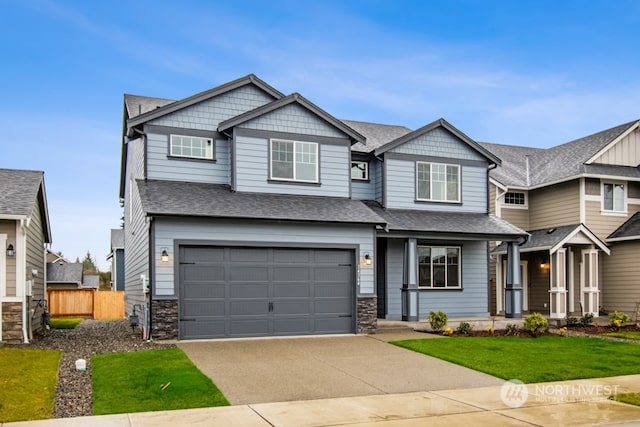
513,288
410,281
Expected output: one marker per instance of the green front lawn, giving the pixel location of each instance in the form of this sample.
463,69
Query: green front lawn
630,335
630,398
542,359
151,380
27,383
64,322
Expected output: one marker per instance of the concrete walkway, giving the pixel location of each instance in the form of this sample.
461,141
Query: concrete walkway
576,403
287,369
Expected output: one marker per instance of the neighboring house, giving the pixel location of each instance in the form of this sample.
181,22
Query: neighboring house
24,234
53,257
252,213
579,202
90,281
62,275
116,256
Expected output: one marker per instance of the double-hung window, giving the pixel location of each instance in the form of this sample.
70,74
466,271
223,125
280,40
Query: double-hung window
294,161
360,171
439,267
193,147
437,182
613,197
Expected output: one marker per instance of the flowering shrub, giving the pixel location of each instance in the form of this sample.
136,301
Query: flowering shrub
491,330
638,325
438,320
536,324
563,331
618,319
447,331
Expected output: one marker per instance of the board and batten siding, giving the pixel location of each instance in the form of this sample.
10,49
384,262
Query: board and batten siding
603,224
136,238
620,289
401,188
554,205
625,152
208,114
160,166
221,232
471,301
8,227
252,163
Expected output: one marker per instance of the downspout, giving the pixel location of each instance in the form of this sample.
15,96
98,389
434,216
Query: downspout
23,224
152,269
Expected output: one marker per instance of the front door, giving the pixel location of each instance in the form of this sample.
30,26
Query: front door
589,287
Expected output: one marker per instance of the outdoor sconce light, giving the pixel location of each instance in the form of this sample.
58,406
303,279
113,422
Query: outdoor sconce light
10,251
164,257
367,259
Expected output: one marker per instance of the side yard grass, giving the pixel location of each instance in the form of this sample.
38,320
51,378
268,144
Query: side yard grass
542,359
65,322
151,380
629,335
27,383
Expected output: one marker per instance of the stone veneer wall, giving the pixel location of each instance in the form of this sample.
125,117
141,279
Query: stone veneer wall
12,322
367,315
164,319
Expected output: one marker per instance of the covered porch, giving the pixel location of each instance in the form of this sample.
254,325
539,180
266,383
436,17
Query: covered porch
560,272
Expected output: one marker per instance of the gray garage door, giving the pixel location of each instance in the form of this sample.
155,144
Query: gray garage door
248,292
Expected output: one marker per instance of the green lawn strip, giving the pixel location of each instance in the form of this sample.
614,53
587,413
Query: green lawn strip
542,359
27,383
150,380
631,398
630,335
65,322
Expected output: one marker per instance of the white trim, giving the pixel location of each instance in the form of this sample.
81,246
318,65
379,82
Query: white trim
3,268
294,179
445,200
525,205
589,234
14,217
500,191
572,177
623,239
624,199
498,184
632,200
571,282
612,143
592,198
210,142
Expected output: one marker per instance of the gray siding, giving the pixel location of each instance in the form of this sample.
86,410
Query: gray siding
306,235
401,188
206,115
471,301
361,190
376,176
252,162
440,143
172,169
136,239
293,118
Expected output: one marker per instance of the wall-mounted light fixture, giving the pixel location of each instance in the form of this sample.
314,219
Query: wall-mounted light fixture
164,256
544,265
10,251
367,259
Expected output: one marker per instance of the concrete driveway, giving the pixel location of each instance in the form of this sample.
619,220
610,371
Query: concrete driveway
286,369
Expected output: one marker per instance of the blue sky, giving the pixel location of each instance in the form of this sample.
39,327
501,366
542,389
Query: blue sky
535,73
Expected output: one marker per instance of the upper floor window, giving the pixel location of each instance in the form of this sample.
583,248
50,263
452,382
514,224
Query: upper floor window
438,182
439,267
294,160
516,198
193,147
613,197
360,171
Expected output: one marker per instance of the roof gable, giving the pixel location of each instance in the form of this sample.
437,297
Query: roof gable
624,150
293,99
438,126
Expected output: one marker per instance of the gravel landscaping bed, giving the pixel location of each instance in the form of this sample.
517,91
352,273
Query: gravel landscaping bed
73,392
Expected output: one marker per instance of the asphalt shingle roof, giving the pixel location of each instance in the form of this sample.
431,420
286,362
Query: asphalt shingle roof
445,222
213,200
376,134
70,272
137,105
19,191
543,239
630,228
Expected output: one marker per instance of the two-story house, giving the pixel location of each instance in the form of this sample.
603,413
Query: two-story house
579,202
252,213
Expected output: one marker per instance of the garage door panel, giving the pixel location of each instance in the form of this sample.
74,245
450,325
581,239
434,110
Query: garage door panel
286,290
249,290
249,327
291,256
291,274
203,290
294,326
249,308
332,274
247,273
202,254
332,290
248,254
332,306
202,273
203,308
300,306
203,329
333,325
332,256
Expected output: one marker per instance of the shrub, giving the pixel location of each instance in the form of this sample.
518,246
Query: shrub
447,331
586,320
464,328
618,319
512,330
536,324
490,330
438,320
572,321
563,331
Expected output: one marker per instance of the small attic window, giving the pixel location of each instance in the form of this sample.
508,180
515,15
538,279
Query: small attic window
515,198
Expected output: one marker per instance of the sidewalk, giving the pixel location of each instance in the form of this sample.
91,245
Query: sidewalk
578,403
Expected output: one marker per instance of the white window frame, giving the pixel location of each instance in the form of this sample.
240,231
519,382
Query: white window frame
445,200
209,142
624,197
516,205
446,248
296,146
357,163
